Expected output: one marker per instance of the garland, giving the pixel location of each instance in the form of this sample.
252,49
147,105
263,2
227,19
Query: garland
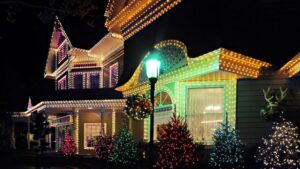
138,107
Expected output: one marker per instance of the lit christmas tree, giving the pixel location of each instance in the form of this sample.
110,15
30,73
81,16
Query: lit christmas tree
176,148
103,146
229,149
125,148
281,148
69,147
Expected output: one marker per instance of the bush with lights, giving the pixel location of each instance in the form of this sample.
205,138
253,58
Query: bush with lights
176,148
125,149
103,146
281,148
228,152
69,147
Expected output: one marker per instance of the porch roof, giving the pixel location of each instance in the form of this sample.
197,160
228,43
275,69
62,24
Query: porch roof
76,104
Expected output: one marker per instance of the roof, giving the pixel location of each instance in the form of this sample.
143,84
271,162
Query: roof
71,104
219,60
265,30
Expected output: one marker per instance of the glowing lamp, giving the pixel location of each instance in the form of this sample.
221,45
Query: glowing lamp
152,68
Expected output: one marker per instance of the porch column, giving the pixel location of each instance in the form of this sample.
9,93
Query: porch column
28,133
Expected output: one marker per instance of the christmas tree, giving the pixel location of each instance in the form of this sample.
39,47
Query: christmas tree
103,146
69,147
175,148
125,148
281,148
229,149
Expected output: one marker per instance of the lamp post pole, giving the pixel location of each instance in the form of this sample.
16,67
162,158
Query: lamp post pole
152,89
152,71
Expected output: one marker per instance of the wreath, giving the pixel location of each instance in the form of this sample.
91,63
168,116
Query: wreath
138,107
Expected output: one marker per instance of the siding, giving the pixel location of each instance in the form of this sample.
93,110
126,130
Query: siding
117,57
250,100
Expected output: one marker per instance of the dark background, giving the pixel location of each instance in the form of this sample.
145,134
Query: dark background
263,29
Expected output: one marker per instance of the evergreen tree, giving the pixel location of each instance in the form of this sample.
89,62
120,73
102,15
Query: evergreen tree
40,127
125,148
69,147
103,146
175,148
281,148
229,149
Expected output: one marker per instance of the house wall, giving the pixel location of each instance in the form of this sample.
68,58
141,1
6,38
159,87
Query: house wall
97,116
118,58
250,100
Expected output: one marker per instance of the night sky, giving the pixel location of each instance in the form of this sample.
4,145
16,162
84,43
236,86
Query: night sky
265,29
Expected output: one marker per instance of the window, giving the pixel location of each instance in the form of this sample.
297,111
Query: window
163,112
78,81
62,52
204,112
62,83
94,80
91,131
113,75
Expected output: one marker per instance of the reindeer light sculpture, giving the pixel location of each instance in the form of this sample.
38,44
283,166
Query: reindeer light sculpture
274,101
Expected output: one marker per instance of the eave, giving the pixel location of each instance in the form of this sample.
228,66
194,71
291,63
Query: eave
292,67
222,60
136,15
76,104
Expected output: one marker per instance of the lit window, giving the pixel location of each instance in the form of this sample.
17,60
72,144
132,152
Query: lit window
113,75
204,112
62,83
91,131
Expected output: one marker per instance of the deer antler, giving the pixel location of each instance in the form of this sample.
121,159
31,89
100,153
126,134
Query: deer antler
283,94
266,95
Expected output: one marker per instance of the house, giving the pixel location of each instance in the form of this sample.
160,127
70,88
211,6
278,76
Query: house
215,63
85,103
209,73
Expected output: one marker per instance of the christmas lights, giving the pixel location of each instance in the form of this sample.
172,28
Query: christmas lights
176,148
68,148
138,107
228,152
103,146
125,149
292,67
281,149
136,15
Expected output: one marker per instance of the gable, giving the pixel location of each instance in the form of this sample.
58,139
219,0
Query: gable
59,39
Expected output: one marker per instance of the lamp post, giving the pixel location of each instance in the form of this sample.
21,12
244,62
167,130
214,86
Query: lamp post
152,71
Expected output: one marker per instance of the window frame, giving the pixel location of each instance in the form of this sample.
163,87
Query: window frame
65,45
104,125
65,87
110,70
224,113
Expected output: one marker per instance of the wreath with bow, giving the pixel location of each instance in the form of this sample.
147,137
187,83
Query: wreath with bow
138,107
